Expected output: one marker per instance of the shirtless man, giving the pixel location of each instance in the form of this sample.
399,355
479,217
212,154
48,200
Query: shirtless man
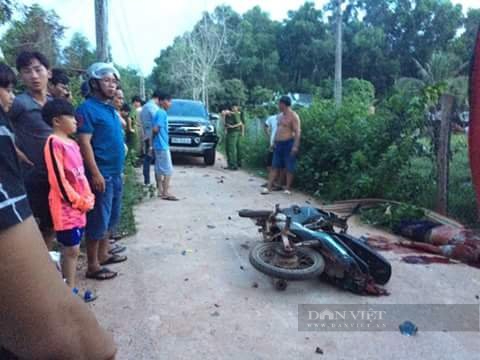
287,144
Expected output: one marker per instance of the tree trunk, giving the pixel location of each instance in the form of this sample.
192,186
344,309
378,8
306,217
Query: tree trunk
446,102
338,56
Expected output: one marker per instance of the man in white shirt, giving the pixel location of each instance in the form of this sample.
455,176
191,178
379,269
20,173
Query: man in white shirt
270,129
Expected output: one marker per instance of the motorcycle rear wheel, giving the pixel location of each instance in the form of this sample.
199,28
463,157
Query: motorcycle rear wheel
311,262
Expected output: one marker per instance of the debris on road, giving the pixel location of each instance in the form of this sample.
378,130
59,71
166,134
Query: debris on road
242,268
255,285
216,305
215,314
408,328
245,246
425,260
185,252
477,297
186,279
211,226
230,218
319,351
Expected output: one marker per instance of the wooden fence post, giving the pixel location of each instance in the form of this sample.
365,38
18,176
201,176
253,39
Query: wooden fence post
446,102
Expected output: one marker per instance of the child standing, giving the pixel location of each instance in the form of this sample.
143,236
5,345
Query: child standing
70,196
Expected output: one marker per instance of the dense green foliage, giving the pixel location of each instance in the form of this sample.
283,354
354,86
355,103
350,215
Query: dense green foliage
383,41
391,215
353,153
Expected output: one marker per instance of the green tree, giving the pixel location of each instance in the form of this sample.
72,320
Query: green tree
443,70
78,54
130,81
256,58
6,10
306,52
232,92
464,44
39,30
414,29
260,95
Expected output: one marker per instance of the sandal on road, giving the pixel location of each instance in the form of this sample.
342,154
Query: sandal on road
265,192
114,259
102,274
170,198
117,249
88,296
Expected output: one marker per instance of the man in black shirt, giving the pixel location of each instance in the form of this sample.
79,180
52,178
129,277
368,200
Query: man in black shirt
31,134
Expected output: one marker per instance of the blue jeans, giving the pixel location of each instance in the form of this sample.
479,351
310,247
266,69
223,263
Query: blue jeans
105,215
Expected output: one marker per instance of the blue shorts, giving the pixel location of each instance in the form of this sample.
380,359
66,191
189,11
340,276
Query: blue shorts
163,163
282,156
105,216
70,238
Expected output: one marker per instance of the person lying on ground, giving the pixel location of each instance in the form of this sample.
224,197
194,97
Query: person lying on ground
40,318
458,244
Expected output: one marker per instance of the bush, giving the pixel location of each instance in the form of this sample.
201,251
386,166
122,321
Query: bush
351,153
132,195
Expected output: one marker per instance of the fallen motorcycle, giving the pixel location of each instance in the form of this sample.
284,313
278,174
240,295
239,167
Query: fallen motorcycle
301,243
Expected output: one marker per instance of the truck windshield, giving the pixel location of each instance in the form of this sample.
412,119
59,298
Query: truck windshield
187,108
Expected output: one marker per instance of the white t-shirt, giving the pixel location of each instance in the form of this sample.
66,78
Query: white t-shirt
272,124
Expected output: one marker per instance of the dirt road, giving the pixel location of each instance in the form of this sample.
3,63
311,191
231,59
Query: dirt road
187,290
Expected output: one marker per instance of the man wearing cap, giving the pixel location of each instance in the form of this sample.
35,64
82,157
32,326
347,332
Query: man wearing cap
101,141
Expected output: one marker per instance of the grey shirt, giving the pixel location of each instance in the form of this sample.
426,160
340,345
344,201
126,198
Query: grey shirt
147,115
31,133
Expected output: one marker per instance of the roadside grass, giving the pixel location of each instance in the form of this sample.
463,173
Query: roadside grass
133,194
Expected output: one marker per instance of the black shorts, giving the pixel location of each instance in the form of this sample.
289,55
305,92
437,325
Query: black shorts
270,159
37,193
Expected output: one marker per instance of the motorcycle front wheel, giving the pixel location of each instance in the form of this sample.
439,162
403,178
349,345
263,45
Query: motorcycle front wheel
309,264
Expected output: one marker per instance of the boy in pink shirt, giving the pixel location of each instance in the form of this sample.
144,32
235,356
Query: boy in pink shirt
70,195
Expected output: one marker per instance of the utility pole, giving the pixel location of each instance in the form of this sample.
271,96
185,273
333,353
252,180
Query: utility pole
338,56
142,87
101,26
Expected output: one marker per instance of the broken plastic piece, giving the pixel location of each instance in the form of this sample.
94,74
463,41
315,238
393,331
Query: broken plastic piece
408,328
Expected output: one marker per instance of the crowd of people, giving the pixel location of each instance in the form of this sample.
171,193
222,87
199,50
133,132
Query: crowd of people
61,178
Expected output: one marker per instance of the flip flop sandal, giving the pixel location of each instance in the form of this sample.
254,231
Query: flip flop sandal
119,236
170,198
114,259
102,274
87,296
117,249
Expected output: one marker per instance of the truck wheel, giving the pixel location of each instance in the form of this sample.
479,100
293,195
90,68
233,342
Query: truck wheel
209,157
